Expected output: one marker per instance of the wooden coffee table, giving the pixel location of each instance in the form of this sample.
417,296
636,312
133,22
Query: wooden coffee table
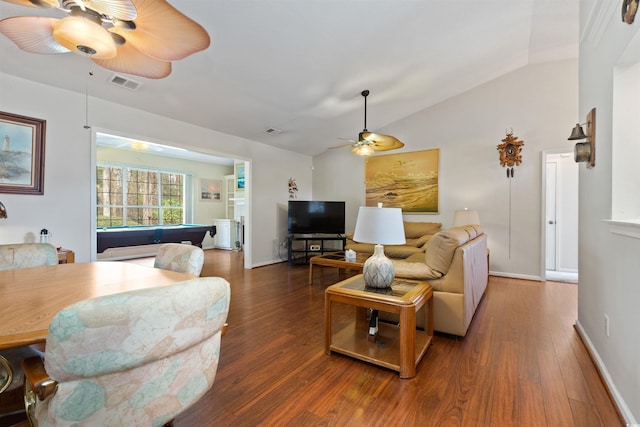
398,347
337,260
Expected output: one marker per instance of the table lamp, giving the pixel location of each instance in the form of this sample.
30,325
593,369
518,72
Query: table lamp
379,226
465,217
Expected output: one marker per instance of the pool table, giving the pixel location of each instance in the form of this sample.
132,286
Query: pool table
118,237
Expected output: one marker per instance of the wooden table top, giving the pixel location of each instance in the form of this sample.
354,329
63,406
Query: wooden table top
402,291
30,297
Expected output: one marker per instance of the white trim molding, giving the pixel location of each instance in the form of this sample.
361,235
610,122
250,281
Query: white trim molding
629,228
606,377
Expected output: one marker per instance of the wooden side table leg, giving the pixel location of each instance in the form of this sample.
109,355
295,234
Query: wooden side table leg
407,342
327,323
310,273
429,319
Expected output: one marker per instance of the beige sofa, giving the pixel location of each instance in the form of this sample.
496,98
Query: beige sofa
455,263
417,235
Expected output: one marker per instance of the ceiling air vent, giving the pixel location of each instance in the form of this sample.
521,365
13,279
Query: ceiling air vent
272,131
125,82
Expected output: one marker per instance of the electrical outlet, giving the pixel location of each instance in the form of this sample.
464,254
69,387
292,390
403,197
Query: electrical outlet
606,324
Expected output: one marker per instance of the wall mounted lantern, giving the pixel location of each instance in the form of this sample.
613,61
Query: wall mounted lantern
585,151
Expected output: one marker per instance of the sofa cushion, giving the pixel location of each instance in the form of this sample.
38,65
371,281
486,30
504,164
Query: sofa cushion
415,230
420,242
439,251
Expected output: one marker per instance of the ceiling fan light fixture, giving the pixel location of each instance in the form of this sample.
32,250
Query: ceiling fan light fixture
84,36
364,150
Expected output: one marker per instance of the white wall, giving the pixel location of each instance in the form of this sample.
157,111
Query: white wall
608,261
538,102
65,207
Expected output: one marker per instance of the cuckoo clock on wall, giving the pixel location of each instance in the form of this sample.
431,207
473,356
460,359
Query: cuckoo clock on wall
510,152
510,155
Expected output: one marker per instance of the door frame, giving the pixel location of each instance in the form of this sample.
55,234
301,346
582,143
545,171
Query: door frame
543,208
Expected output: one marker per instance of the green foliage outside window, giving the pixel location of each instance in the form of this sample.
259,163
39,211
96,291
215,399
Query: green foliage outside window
127,196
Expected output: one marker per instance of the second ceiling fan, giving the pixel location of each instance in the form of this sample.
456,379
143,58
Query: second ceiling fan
368,142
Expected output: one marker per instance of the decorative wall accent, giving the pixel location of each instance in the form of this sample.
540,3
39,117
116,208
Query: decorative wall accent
510,156
239,172
293,189
405,180
21,154
629,10
510,152
210,190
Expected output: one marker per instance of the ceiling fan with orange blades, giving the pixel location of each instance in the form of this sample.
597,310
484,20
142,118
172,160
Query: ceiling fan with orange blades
368,143
139,37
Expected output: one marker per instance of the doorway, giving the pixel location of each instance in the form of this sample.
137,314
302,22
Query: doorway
192,170
560,215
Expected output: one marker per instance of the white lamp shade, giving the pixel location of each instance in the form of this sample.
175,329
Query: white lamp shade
382,226
465,217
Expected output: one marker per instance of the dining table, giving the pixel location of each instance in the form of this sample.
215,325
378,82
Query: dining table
31,297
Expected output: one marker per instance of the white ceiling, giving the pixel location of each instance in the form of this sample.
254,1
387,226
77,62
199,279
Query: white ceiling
299,65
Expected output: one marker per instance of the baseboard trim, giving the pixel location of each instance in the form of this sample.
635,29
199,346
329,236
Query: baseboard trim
516,276
262,264
621,405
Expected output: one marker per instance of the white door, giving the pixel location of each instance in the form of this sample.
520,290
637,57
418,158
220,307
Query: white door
561,214
551,217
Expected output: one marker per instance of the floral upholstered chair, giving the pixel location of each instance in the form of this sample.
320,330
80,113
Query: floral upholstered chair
137,358
25,255
180,258
14,257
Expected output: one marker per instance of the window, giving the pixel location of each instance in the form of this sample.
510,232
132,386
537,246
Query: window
625,203
129,196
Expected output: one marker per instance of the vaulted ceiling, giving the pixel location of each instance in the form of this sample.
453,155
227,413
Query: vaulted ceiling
298,66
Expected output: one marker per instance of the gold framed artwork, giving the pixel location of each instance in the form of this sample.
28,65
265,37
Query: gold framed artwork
406,180
210,190
21,154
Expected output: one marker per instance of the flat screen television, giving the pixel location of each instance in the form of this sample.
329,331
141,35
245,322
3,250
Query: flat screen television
316,217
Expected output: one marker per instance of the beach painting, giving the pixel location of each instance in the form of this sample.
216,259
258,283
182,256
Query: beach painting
21,154
405,180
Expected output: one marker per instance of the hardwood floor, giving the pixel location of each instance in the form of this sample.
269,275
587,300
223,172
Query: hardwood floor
521,363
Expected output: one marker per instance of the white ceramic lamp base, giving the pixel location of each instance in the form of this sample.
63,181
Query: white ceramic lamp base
378,270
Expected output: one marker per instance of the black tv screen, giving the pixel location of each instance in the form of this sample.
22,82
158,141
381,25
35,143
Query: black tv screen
307,217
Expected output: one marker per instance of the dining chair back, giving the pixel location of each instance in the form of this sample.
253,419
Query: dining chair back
180,258
25,255
14,257
137,358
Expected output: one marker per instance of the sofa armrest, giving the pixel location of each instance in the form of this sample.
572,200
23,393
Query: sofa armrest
414,270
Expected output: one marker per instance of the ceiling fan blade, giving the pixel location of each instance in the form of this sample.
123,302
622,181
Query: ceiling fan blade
32,34
163,32
129,60
342,146
119,9
347,139
41,3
